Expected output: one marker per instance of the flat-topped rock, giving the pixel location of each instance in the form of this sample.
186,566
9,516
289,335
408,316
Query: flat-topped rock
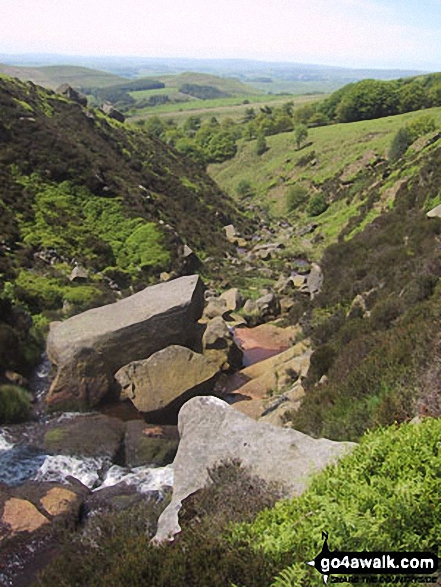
89,348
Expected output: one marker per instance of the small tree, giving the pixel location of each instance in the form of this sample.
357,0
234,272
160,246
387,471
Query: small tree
261,145
297,195
317,205
301,134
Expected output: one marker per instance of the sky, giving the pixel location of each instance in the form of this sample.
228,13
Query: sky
353,33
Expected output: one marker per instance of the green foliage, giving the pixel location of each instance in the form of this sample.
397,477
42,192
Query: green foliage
296,196
382,497
301,134
203,92
70,220
261,145
317,204
15,404
405,136
244,189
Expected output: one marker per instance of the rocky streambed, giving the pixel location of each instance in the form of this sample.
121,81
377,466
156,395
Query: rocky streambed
123,373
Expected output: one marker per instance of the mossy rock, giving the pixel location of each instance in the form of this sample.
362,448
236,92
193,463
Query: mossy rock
147,444
90,435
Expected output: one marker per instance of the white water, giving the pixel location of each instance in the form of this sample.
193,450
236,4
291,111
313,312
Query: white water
19,464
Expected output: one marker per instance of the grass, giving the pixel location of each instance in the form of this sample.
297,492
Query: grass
220,108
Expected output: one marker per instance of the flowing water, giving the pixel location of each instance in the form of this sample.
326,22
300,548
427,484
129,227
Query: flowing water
22,460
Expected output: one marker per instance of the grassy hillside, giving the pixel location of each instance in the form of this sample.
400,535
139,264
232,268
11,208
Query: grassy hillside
53,76
331,161
79,188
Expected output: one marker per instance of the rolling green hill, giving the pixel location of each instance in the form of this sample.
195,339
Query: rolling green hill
53,76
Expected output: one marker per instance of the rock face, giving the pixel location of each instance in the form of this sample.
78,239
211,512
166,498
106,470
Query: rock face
22,516
211,432
166,376
90,347
112,112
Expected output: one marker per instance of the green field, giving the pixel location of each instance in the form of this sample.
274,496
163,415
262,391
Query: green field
221,108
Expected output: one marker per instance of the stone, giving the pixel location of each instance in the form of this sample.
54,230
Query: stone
230,233
233,299
268,305
79,274
250,308
219,346
169,376
22,516
435,212
211,431
148,444
61,502
298,280
67,91
89,435
216,307
90,347
314,281
113,112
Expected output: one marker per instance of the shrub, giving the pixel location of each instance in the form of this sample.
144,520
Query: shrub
317,205
244,189
118,551
382,497
296,196
15,404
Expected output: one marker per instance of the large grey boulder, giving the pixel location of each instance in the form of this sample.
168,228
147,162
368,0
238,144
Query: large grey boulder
89,348
211,431
159,381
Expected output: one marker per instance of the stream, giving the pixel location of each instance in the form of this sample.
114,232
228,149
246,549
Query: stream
22,457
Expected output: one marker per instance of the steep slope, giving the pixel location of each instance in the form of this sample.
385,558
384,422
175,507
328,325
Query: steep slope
78,188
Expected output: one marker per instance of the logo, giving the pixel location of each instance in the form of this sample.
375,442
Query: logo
372,563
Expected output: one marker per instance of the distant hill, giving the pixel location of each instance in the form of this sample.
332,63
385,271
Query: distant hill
223,84
53,76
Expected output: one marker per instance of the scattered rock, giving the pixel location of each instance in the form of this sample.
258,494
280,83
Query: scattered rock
90,347
435,212
216,307
22,516
314,281
166,379
233,299
212,432
59,501
112,112
219,346
148,444
79,274
68,92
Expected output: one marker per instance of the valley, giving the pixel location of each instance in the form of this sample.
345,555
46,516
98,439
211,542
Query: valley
163,252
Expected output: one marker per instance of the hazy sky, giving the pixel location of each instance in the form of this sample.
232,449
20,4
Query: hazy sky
359,33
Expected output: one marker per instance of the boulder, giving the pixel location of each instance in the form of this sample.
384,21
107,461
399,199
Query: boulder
212,432
216,307
60,501
314,281
148,444
90,347
268,305
231,234
21,515
435,212
233,299
219,346
113,112
166,379
67,91
79,274
88,435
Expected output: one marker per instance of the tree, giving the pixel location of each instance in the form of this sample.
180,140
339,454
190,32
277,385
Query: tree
301,134
261,145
